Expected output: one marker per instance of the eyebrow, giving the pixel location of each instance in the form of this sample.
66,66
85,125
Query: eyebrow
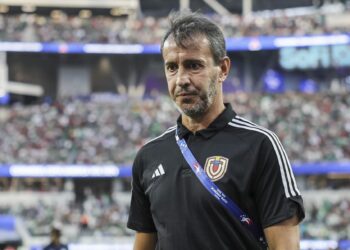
187,61
194,61
169,62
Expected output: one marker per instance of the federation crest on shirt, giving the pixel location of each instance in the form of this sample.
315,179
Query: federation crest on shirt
215,167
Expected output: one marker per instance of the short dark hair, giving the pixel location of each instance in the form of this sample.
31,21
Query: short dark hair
56,231
186,25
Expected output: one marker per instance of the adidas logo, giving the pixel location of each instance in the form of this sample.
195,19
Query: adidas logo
159,171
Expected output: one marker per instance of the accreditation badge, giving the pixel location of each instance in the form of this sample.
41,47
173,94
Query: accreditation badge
215,167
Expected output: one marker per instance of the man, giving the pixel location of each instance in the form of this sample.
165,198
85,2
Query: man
170,208
55,243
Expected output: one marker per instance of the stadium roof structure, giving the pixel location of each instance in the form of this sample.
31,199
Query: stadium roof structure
207,6
161,7
132,4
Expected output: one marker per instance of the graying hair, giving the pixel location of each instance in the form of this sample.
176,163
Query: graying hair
185,26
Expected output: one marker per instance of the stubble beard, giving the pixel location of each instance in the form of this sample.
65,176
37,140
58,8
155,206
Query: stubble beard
201,106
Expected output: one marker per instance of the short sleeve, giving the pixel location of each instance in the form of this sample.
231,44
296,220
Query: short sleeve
140,217
276,193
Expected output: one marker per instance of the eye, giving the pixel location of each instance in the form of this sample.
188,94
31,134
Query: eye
194,66
171,67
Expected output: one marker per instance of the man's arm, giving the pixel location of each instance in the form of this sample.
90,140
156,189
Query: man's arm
283,235
145,241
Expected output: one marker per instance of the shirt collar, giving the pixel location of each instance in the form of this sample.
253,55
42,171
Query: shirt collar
219,123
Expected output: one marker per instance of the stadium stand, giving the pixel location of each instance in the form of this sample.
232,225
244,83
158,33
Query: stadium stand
98,129
82,131
95,133
149,29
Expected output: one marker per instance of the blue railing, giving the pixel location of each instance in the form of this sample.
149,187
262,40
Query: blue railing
122,171
233,44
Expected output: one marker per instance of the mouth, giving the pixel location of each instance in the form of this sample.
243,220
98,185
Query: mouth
185,94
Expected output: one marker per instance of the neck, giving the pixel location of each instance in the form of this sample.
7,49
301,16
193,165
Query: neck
195,124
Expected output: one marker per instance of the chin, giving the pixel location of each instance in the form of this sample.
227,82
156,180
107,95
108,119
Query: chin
194,112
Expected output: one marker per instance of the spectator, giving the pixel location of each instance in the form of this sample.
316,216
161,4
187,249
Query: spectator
55,243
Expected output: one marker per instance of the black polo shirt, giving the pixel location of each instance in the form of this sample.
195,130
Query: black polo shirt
247,162
52,246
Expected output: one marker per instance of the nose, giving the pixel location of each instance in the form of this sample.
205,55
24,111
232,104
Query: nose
182,78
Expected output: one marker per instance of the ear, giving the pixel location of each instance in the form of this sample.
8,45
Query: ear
225,65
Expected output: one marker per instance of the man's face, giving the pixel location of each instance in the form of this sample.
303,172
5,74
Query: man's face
192,75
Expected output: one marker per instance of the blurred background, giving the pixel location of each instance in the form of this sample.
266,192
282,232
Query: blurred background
82,88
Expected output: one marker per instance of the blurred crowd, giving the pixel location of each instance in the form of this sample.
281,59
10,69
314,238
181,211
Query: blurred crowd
32,184
312,127
81,131
149,30
323,182
328,220
94,216
103,218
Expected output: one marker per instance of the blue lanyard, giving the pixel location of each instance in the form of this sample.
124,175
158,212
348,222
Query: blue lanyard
217,193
